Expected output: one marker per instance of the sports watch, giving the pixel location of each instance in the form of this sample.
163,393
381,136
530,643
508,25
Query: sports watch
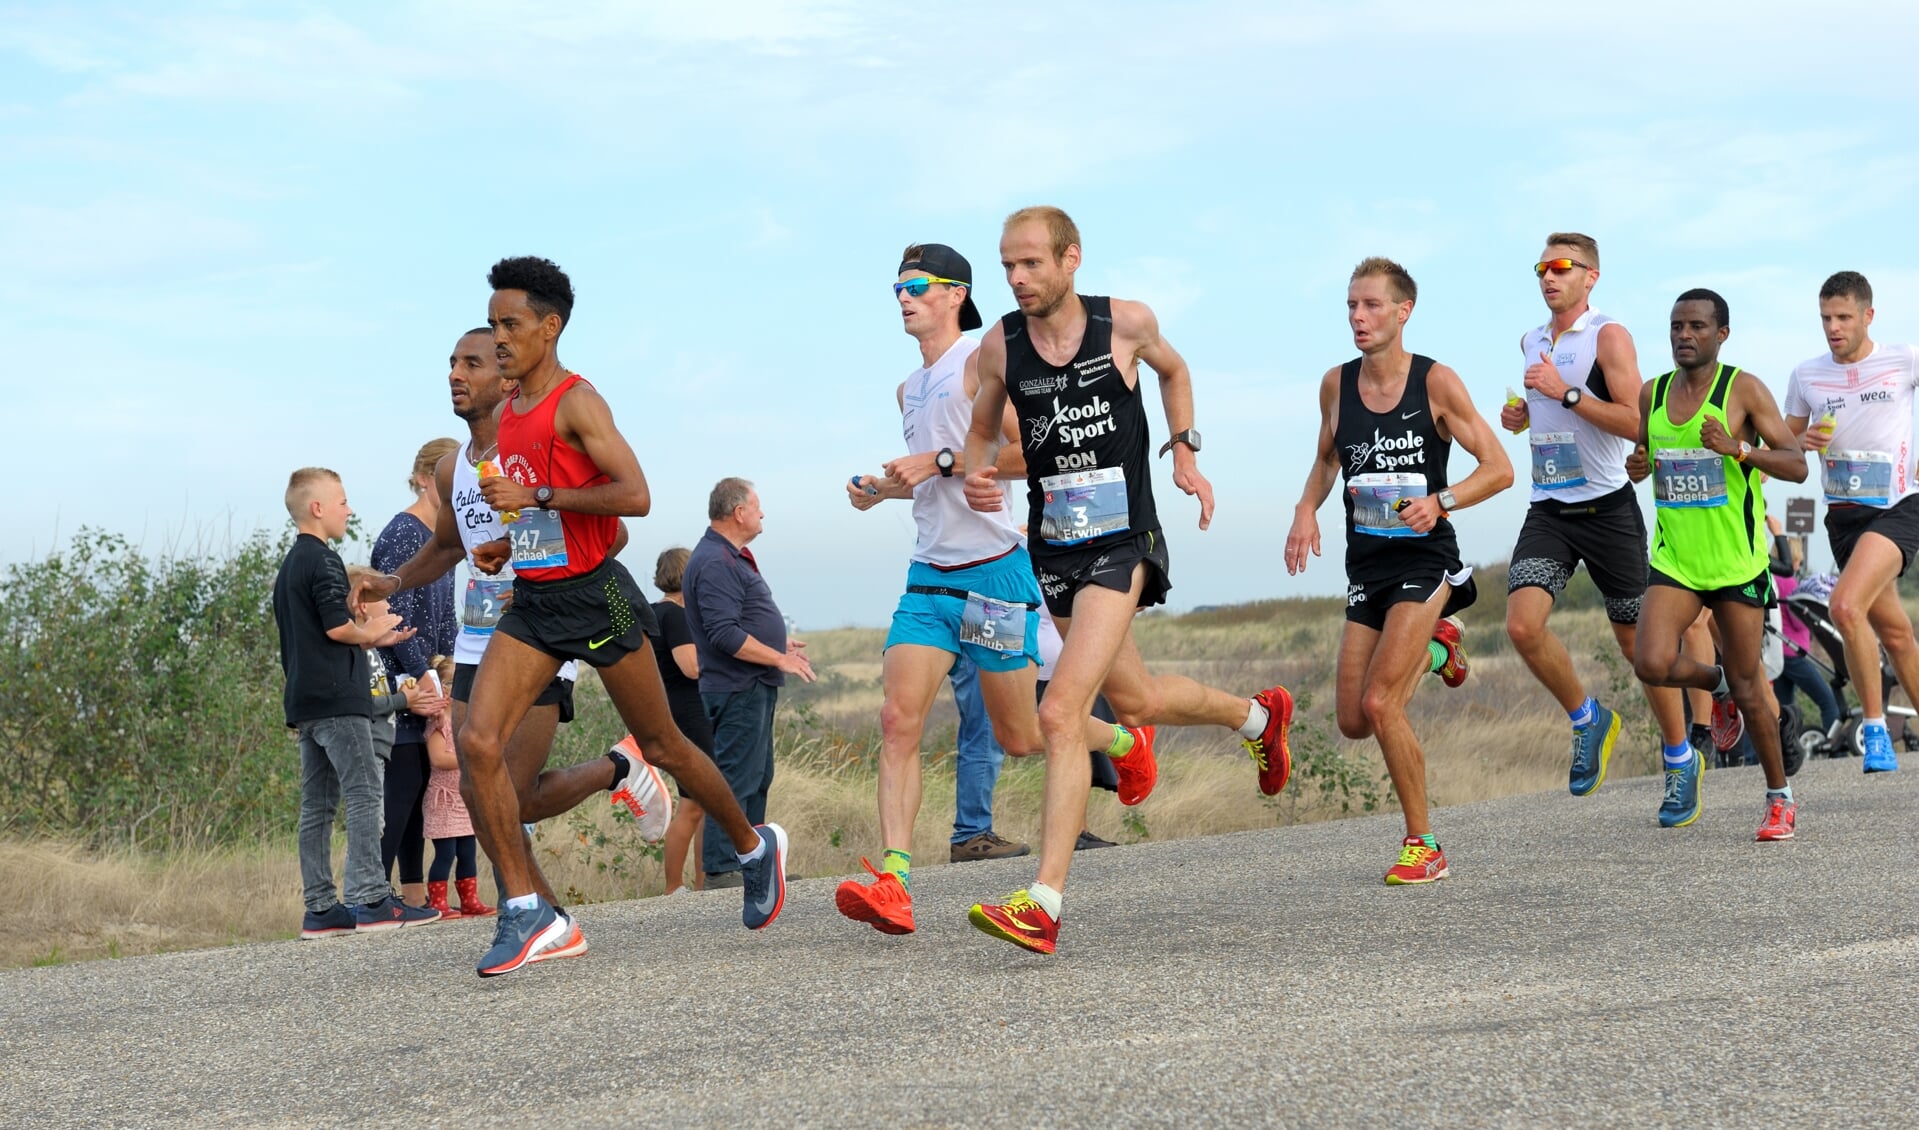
1447,502
1189,437
1572,398
944,461
543,496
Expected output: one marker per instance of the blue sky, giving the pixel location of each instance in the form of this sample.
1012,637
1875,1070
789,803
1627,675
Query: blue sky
242,238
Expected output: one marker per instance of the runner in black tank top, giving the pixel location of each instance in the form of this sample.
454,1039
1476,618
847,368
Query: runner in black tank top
1387,422
1094,536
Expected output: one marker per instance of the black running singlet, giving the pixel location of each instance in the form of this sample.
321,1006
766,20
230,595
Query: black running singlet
1088,479
1385,457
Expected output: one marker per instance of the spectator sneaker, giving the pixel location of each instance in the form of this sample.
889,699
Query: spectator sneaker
1269,751
1417,864
1681,804
1781,815
1592,749
1018,920
882,904
642,791
1089,842
520,935
391,914
1451,635
328,923
764,879
1879,755
986,845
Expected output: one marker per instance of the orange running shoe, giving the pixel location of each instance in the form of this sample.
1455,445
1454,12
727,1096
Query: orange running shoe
1138,770
571,944
1018,920
1269,750
882,904
1450,634
1781,816
1417,864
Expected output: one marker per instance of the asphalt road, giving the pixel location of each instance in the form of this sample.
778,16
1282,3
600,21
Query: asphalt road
1582,967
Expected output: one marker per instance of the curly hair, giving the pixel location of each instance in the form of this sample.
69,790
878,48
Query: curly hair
1720,310
548,290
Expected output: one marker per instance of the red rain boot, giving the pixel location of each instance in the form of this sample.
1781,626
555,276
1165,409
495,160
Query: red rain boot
436,898
470,904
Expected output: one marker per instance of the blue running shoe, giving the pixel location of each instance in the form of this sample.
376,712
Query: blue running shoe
764,879
1681,806
1592,749
390,914
328,923
522,934
1879,755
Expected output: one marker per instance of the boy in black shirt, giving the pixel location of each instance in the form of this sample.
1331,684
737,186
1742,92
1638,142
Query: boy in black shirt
322,652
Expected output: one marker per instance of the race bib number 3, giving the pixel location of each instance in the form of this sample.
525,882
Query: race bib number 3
1083,505
1556,463
486,601
1859,476
1688,477
539,540
1376,497
993,624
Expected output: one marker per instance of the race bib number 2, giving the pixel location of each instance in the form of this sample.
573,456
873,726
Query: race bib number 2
486,601
993,624
538,539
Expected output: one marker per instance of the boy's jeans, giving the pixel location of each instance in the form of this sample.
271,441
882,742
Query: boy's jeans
338,760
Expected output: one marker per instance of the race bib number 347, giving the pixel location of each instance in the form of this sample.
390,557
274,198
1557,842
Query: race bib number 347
539,540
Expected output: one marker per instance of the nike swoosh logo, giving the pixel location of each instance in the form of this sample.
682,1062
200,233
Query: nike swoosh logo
1409,415
1410,585
1083,382
594,645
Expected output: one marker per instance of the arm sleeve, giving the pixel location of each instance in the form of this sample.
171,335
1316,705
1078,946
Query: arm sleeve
719,596
327,583
396,545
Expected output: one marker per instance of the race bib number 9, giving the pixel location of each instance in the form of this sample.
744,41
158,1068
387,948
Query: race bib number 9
1859,476
539,540
1688,478
993,624
1376,497
1083,505
1556,462
486,601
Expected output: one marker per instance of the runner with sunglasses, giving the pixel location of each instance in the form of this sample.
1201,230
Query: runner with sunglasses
1704,424
1070,367
1582,404
1387,422
1854,405
969,590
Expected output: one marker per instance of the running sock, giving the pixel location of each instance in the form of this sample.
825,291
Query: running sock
1435,656
1046,897
898,864
1430,841
1879,722
620,767
750,856
1678,756
523,902
1254,727
1724,687
1586,715
1785,793
1122,742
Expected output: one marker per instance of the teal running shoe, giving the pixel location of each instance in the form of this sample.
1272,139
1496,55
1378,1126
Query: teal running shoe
1592,749
1681,805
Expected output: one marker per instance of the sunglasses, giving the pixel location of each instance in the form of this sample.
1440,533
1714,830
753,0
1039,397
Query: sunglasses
917,287
1540,269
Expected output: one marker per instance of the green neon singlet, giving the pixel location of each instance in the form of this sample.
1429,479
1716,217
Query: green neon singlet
1711,517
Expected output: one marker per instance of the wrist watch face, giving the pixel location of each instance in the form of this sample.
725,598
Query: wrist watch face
1191,436
543,495
1571,398
944,460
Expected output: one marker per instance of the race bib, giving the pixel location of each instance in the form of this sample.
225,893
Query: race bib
1376,497
486,601
539,540
1083,505
1556,463
993,624
1688,477
1859,476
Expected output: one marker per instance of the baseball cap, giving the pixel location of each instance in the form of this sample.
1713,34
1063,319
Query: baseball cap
941,261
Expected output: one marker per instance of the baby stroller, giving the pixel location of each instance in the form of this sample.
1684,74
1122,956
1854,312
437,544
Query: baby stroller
1810,604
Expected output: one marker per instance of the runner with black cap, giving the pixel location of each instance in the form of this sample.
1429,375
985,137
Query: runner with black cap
969,589
1070,367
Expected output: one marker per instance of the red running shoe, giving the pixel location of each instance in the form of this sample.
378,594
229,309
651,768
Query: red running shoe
1450,634
1269,751
1138,769
882,904
1417,864
1018,920
1781,815
1728,725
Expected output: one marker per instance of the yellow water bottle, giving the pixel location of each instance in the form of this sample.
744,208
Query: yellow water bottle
1514,400
1827,421
489,470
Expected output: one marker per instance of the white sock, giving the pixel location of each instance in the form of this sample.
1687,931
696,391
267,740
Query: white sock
750,856
1254,727
1879,722
1046,897
523,902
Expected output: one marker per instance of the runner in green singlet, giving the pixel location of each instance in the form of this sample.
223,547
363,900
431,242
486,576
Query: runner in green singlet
1700,427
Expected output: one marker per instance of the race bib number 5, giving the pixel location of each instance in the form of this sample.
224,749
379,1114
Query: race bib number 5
1688,478
993,624
1083,505
539,540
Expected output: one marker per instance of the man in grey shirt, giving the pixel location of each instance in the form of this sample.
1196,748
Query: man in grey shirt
744,658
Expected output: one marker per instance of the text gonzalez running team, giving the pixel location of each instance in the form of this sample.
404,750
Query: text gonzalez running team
1061,375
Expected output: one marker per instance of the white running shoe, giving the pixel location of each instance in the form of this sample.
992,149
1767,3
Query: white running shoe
643,792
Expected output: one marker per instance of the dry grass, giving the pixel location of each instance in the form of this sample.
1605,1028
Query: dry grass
1498,735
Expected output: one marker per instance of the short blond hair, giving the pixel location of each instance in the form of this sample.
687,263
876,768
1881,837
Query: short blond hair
1378,266
300,487
1586,245
429,458
1060,228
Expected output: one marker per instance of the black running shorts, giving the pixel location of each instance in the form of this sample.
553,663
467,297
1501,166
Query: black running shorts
1063,572
1368,601
1757,592
1608,533
558,693
596,618
1899,524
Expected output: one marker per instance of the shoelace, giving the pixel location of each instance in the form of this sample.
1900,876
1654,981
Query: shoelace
1413,855
1675,785
1019,903
504,928
1258,753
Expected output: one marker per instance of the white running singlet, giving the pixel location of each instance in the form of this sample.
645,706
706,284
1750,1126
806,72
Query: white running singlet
935,412
479,524
1871,405
1601,454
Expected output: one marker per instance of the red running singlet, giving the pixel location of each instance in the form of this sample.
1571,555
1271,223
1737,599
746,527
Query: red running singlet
532,455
